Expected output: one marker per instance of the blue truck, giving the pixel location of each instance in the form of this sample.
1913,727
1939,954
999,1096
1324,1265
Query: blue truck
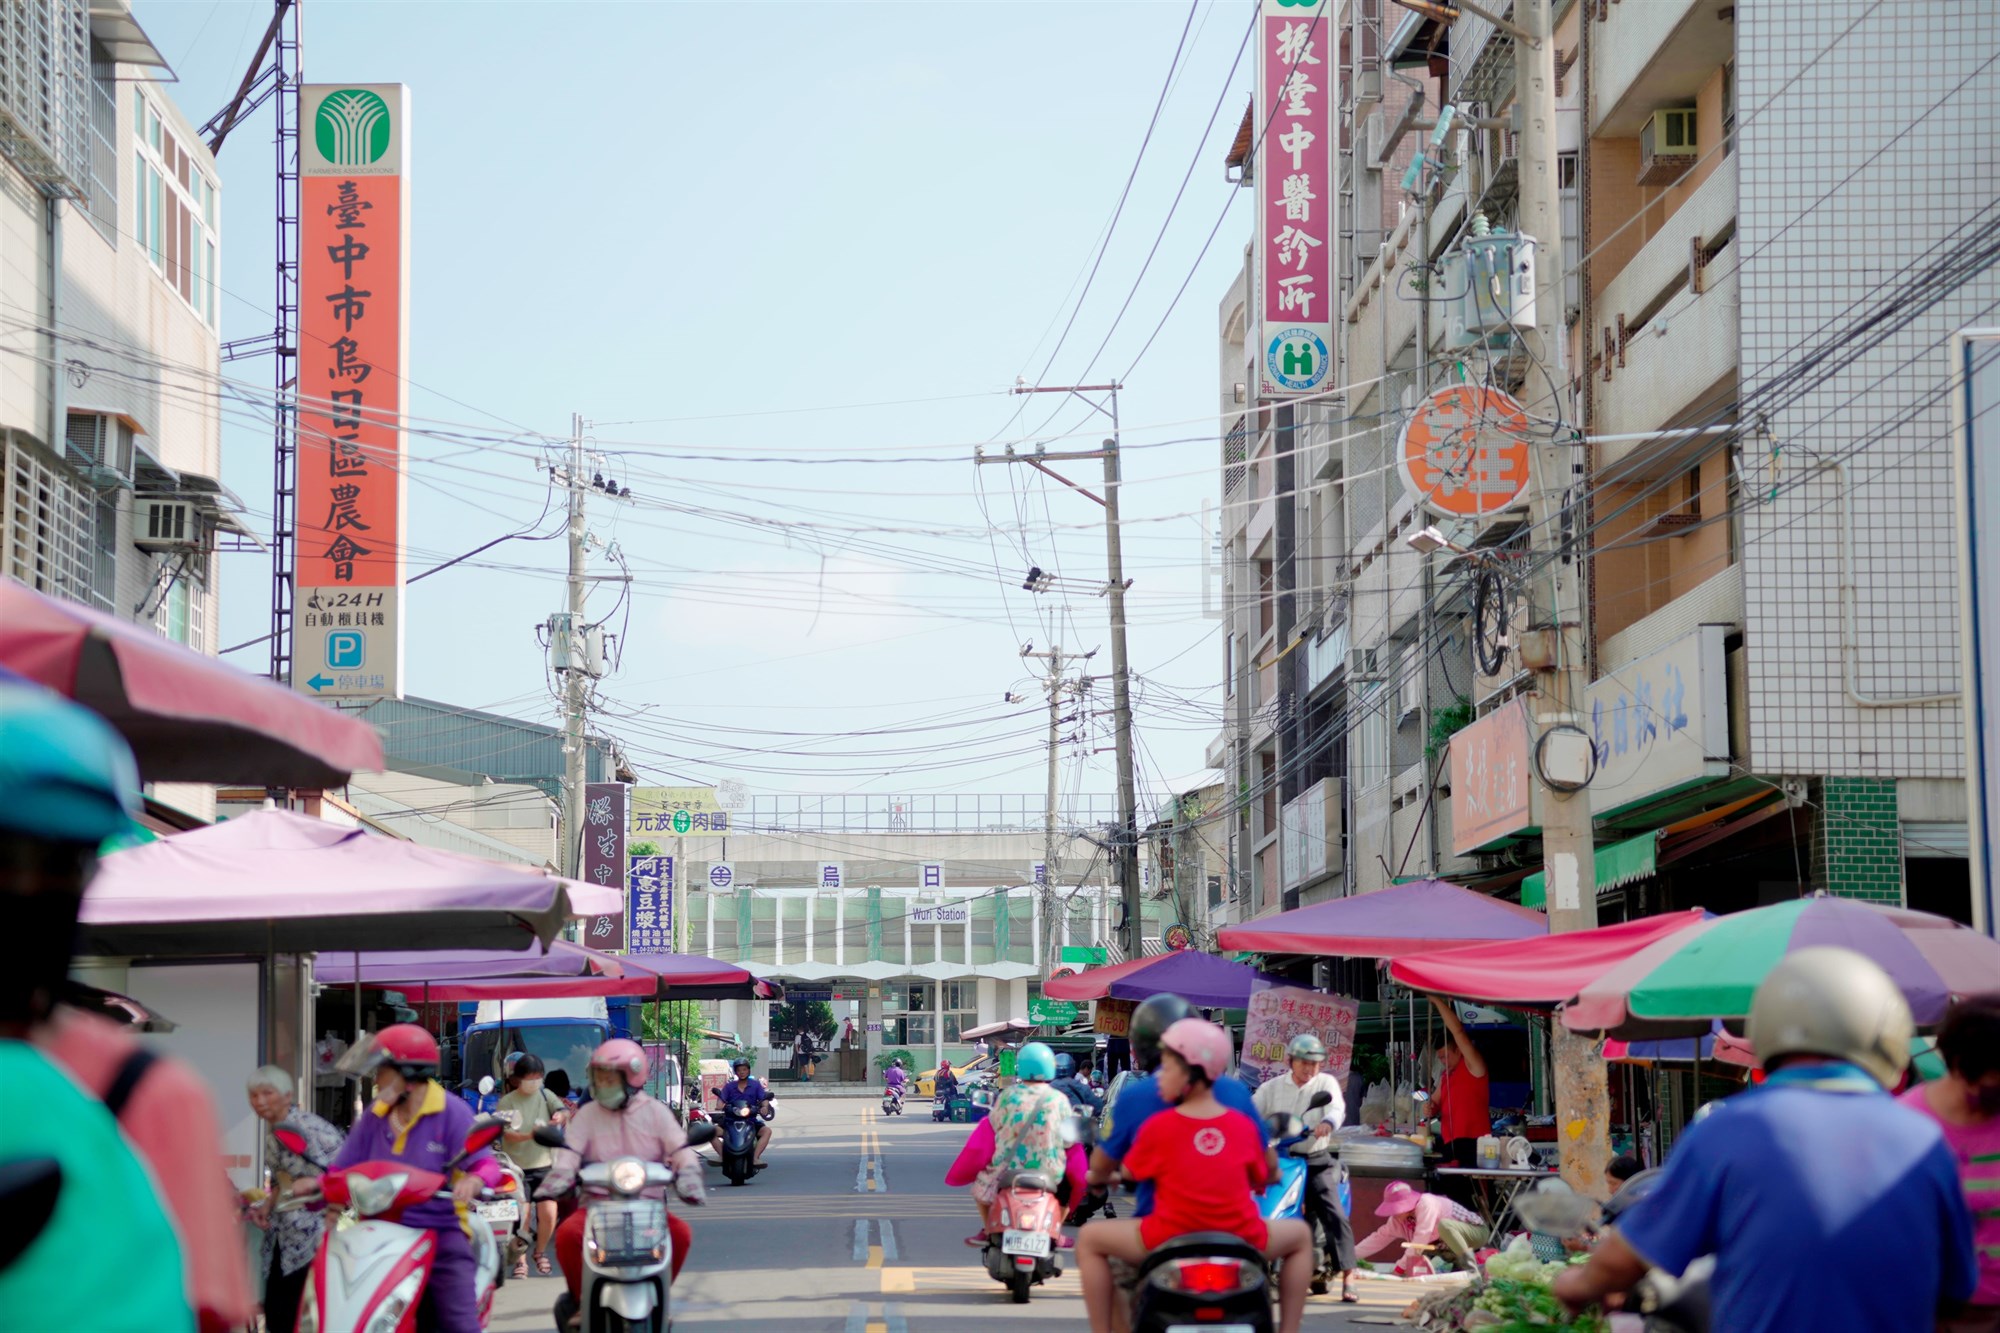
562,1032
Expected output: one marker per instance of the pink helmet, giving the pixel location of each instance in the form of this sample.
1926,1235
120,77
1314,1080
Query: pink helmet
625,1056
1201,1043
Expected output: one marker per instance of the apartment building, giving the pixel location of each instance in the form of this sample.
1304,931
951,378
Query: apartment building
1759,285
110,243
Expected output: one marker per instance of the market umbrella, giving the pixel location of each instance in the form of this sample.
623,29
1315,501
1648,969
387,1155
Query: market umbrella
277,881
1003,1027
413,967
1536,973
565,971
1718,1045
1676,986
187,717
1422,916
1201,979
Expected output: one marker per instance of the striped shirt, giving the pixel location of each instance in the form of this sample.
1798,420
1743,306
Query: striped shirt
1976,1148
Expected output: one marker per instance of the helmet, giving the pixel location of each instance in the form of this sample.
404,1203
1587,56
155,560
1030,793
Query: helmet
65,775
741,1062
1832,1002
1065,1065
1150,1021
625,1056
1203,1044
1036,1063
897,1062
1306,1046
405,1048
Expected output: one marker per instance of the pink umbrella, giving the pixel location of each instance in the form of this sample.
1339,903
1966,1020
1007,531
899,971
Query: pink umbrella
188,717
565,971
276,881
1421,916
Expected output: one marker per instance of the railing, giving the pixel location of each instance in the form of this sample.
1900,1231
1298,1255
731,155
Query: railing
946,813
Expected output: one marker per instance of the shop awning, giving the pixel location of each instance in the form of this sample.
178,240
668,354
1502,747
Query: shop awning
565,971
187,717
1199,978
1004,1026
1620,863
1421,917
1536,974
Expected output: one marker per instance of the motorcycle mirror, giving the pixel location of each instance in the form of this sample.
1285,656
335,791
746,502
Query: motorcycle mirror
486,1130
290,1137
486,1086
699,1133
1319,1099
29,1188
1554,1209
551,1136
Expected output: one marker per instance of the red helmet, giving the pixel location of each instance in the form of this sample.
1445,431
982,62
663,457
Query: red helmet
405,1048
625,1056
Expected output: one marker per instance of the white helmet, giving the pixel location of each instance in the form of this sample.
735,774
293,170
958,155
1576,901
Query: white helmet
1836,1003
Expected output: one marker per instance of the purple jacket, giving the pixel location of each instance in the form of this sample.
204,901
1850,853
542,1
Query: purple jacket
433,1139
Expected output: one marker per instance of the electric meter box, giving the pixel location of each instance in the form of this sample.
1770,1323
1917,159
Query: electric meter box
1487,288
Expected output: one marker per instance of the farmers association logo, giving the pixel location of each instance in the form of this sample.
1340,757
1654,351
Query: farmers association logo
1208,1142
1296,360
352,128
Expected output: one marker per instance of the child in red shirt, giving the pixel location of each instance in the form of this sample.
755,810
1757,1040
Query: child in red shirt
1204,1160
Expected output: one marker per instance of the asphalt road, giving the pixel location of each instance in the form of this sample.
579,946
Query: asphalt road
852,1230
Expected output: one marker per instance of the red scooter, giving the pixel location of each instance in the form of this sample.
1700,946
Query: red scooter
1020,1251
371,1275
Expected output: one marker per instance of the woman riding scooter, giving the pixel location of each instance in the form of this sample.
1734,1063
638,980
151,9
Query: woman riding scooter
414,1120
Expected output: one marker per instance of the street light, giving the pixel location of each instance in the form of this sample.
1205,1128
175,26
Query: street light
1426,541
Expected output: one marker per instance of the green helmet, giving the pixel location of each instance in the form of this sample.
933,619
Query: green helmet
65,775
1035,1063
1306,1046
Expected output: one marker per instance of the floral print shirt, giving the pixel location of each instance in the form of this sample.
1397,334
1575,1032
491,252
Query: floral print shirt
1027,1129
296,1231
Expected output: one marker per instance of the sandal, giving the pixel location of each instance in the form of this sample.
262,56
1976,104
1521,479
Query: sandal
521,1268
542,1265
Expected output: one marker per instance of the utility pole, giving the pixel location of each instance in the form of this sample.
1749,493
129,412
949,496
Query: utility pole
1556,600
575,678
1045,898
1121,685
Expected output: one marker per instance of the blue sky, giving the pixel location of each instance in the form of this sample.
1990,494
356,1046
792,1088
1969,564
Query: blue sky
715,229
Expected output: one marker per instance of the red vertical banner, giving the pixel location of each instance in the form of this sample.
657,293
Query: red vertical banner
1296,195
353,327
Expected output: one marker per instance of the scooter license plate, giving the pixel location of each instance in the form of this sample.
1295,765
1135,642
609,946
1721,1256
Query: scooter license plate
500,1210
1025,1242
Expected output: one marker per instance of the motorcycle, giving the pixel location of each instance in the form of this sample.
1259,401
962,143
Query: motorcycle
1020,1250
1207,1280
1286,1196
628,1253
892,1101
508,1212
371,1275
739,1141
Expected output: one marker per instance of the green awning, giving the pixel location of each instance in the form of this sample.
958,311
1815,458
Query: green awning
1620,863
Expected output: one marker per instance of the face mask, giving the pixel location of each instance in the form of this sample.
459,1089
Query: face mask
29,985
531,1086
611,1097
389,1087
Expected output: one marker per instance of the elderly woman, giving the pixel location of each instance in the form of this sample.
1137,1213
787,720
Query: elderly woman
290,1237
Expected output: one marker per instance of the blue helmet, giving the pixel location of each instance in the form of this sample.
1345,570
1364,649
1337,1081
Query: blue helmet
65,775
1036,1063
1065,1065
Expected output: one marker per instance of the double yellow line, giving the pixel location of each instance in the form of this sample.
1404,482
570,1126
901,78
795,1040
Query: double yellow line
868,1179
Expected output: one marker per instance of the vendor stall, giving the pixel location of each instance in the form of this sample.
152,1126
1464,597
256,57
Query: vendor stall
1202,979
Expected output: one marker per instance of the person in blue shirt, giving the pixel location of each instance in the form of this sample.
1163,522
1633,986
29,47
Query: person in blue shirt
752,1093
1825,1203
1081,1095
1139,1100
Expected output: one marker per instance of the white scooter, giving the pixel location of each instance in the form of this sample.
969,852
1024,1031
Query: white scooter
369,1277
628,1253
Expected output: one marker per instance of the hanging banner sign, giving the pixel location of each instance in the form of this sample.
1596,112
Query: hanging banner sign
1113,1017
1296,195
1661,723
603,858
1464,451
354,283
955,914
650,906
1491,794
1279,1013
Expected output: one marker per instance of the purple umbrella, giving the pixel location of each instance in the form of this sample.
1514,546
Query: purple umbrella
1201,979
283,882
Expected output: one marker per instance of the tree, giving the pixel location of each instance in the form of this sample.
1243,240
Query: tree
796,1016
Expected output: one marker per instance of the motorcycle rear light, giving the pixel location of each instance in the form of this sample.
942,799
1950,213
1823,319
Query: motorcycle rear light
1207,1277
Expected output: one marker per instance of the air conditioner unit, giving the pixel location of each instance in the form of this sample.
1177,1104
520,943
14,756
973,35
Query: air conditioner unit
1667,145
167,525
99,446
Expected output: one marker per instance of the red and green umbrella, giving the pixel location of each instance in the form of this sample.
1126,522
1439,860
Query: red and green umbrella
1679,985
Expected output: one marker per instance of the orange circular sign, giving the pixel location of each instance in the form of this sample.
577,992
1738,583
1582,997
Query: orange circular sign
1464,451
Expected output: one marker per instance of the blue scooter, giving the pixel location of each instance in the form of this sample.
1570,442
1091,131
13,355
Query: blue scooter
1286,1196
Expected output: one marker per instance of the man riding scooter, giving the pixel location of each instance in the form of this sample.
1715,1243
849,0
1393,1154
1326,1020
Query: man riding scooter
894,1081
620,1120
1081,1095
747,1091
414,1120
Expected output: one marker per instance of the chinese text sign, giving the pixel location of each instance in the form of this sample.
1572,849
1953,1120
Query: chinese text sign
649,907
603,859
1297,66
1279,1013
1491,795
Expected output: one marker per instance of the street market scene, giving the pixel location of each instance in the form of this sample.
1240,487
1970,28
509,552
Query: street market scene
1233,665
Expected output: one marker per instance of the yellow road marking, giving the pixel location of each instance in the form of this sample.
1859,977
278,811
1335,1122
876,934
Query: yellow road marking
874,1256
878,1326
